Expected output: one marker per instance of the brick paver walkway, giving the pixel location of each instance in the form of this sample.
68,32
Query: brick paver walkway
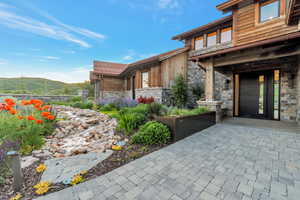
223,162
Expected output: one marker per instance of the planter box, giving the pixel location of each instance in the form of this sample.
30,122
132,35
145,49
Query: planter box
184,126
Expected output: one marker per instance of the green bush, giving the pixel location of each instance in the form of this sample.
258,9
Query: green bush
156,109
108,107
152,133
128,122
75,99
185,112
139,109
83,105
179,92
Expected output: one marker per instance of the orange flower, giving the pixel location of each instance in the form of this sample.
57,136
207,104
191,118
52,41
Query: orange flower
38,121
12,111
20,117
30,117
50,117
46,107
46,114
36,101
10,102
25,102
7,107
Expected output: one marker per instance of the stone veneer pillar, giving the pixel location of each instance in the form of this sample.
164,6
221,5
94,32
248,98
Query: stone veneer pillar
298,91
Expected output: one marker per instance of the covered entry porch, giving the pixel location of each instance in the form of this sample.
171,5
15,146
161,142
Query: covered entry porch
261,82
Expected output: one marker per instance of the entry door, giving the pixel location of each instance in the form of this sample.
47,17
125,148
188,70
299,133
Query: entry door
259,95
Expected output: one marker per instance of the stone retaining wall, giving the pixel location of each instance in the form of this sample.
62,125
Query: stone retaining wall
160,95
46,98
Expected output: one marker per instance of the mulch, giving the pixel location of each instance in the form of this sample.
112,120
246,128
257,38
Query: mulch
129,153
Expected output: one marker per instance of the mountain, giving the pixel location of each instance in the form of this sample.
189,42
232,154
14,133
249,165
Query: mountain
40,86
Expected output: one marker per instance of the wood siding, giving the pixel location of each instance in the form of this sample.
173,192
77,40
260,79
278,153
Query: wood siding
112,84
247,27
172,67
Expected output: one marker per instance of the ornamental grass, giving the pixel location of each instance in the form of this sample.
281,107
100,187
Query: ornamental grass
26,122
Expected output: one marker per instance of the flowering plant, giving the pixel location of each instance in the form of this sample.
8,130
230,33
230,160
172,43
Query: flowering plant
41,168
25,121
42,187
145,100
118,103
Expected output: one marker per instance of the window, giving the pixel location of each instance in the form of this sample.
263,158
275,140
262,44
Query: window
269,10
145,79
199,43
211,39
226,35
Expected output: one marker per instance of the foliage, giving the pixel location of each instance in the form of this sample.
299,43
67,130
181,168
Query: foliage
179,91
139,109
198,91
83,105
185,112
128,122
156,109
26,122
108,107
146,100
152,133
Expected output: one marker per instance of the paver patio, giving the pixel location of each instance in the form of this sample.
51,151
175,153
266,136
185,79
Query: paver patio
223,162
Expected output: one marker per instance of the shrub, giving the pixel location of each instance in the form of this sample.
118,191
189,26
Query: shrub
185,112
198,91
152,133
140,109
128,122
145,100
156,109
82,105
179,91
75,99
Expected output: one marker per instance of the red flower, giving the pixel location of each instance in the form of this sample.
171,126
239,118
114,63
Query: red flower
46,114
30,118
10,102
7,107
25,102
50,117
46,107
20,117
38,121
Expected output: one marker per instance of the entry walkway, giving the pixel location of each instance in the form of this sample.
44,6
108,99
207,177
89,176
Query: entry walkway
226,161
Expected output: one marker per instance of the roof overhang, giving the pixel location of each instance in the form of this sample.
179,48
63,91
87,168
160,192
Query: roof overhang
228,5
187,34
247,46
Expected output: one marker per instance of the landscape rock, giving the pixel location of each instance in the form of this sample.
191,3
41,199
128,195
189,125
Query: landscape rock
27,161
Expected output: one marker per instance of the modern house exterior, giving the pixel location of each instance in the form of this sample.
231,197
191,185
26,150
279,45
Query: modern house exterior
150,77
248,61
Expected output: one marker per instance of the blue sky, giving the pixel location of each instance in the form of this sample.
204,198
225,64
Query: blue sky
59,39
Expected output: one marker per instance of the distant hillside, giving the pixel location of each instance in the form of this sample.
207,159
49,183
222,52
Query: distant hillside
40,86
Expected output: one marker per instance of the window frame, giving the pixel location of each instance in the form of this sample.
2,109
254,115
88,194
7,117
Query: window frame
197,39
142,79
215,33
265,3
226,30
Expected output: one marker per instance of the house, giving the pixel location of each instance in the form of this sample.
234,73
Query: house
255,54
249,62
150,77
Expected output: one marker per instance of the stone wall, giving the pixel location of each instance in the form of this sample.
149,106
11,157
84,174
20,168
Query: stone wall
112,94
288,98
45,98
160,95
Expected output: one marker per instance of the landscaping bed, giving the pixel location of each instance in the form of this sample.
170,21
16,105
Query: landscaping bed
184,126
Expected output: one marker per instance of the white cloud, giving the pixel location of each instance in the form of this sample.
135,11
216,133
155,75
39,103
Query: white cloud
163,4
68,51
57,30
3,61
128,57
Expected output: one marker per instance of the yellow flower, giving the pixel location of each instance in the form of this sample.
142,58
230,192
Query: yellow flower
42,187
116,147
17,197
41,168
77,179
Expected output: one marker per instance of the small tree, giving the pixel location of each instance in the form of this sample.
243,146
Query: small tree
179,91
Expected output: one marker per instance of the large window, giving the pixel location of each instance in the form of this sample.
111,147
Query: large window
145,79
226,35
211,39
199,43
269,10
